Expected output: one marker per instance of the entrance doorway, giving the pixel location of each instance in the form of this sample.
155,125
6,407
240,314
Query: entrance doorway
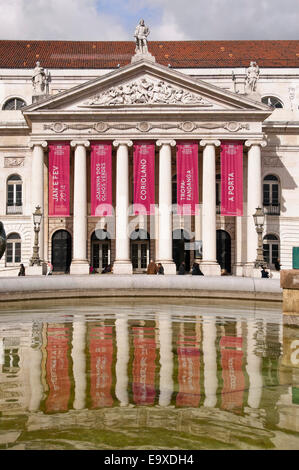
223,251
179,252
100,249
61,251
139,250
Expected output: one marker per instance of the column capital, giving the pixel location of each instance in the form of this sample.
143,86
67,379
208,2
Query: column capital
126,142
75,143
170,142
214,142
40,143
261,142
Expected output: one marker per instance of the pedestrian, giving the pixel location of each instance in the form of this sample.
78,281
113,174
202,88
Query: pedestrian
160,269
107,269
49,269
152,267
22,270
182,268
264,272
196,271
277,264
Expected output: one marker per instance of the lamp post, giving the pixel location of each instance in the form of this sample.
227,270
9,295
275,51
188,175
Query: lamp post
37,217
259,218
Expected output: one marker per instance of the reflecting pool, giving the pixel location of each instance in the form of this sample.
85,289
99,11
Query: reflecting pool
148,374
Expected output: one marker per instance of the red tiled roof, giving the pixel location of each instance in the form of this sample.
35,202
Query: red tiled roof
180,54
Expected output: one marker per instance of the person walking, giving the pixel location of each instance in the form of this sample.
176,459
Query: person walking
49,269
182,268
160,269
152,267
196,271
22,270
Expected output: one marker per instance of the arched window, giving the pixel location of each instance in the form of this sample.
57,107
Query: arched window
13,249
272,101
14,195
271,249
271,195
13,104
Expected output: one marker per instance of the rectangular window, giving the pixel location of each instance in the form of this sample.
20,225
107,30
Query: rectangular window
10,195
266,253
9,253
275,194
266,194
17,252
18,194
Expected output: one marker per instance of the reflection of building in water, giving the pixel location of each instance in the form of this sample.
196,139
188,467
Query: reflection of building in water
15,370
210,362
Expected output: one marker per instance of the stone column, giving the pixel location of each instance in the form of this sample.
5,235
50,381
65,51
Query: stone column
80,263
254,200
165,207
37,189
122,359
79,361
166,359
209,265
122,264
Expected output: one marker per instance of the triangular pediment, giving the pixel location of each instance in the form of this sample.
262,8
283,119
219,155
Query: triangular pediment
146,86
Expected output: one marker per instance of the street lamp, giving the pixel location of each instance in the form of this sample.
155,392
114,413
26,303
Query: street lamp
259,218
37,217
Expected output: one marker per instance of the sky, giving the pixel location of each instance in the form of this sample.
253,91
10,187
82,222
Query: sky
108,20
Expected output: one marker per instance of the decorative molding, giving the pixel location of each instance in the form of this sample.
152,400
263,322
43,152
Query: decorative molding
13,162
128,143
161,142
261,142
75,143
42,143
145,126
214,142
146,91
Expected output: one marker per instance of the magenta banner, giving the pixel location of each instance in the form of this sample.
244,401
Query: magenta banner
144,178
232,178
59,179
187,178
101,178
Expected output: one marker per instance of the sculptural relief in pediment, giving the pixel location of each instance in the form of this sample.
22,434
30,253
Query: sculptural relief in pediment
146,91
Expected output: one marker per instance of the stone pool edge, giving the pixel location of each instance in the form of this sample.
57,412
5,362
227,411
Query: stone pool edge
76,286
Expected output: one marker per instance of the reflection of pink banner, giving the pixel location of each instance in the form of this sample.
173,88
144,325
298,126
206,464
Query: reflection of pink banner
144,366
144,177
101,179
232,373
232,178
189,372
58,369
187,178
59,179
101,356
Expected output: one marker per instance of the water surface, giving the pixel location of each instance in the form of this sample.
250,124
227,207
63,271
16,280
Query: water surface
148,374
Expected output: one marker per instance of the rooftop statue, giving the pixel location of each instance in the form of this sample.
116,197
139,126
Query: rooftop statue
2,240
40,80
141,33
252,77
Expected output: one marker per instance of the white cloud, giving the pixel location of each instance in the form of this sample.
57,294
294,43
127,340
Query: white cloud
57,19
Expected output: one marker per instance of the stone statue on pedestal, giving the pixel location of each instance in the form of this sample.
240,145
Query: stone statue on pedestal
40,80
252,77
141,34
2,240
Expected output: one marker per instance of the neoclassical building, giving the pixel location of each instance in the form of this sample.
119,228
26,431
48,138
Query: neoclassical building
90,129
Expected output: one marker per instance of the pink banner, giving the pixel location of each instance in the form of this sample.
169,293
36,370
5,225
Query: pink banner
232,178
187,178
144,365
144,178
59,179
232,373
101,358
189,371
101,179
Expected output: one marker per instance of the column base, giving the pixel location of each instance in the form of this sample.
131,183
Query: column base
79,267
210,268
34,270
122,267
169,266
250,271
238,270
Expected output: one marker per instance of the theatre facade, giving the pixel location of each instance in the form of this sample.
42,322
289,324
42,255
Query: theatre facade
146,160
